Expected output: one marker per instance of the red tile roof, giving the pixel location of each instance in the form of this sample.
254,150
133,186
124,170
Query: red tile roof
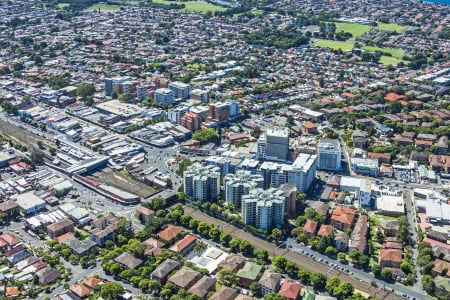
145,211
9,238
183,244
310,227
290,289
91,282
325,230
12,291
170,232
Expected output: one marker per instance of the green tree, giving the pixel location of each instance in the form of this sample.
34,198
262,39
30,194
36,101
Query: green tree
332,284
225,238
245,247
318,281
428,284
304,275
291,269
154,285
36,157
355,255
227,277
205,136
344,290
254,288
274,296
85,90
275,235
386,274
234,244
111,291
330,251
279,262
376,270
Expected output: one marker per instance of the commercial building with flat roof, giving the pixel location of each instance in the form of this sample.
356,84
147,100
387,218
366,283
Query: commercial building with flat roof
30,203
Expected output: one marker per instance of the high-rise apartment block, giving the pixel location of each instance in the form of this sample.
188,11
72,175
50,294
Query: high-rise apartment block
301,173
240,184
202,182
264,208
164,96
180,90
273,145
329,155
219,111
174,115
191,121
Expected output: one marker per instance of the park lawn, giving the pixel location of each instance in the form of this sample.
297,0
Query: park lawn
398,53
354,28
62,5
344,46
103,7
391,27
390,60
198,6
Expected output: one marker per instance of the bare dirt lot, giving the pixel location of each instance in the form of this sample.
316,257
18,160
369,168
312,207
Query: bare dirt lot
120,181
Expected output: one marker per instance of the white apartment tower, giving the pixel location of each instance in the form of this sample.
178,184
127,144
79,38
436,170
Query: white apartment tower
240,184
274,145
202,182
329,155
264,208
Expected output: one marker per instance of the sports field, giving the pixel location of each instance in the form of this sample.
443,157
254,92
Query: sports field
398,53
62,5
198,6
103,7
344,46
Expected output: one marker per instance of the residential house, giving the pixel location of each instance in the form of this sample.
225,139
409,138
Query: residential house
78,247
153,246
322,209
12,292
420,157
442,145
359,139
224,293
233,262
403,140
162,271
145,214
202,287
383,158
341,241
185,278
17,254
441,268
128,261
325,230
358,239
309,128
290,290
10,241
10,208
169,234
104,229
343,218
92,282
48,275
390,258
59,228
80,290
185,245
269,282
442,286
310,228
437,236
248,274
389,227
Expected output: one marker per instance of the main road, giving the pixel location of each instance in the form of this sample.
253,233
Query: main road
304,262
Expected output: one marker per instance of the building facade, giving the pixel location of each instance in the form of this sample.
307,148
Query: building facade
240,184
180,90
264,208
329,155
164,96
202,182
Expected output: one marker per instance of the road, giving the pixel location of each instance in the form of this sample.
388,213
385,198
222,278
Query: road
303,261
